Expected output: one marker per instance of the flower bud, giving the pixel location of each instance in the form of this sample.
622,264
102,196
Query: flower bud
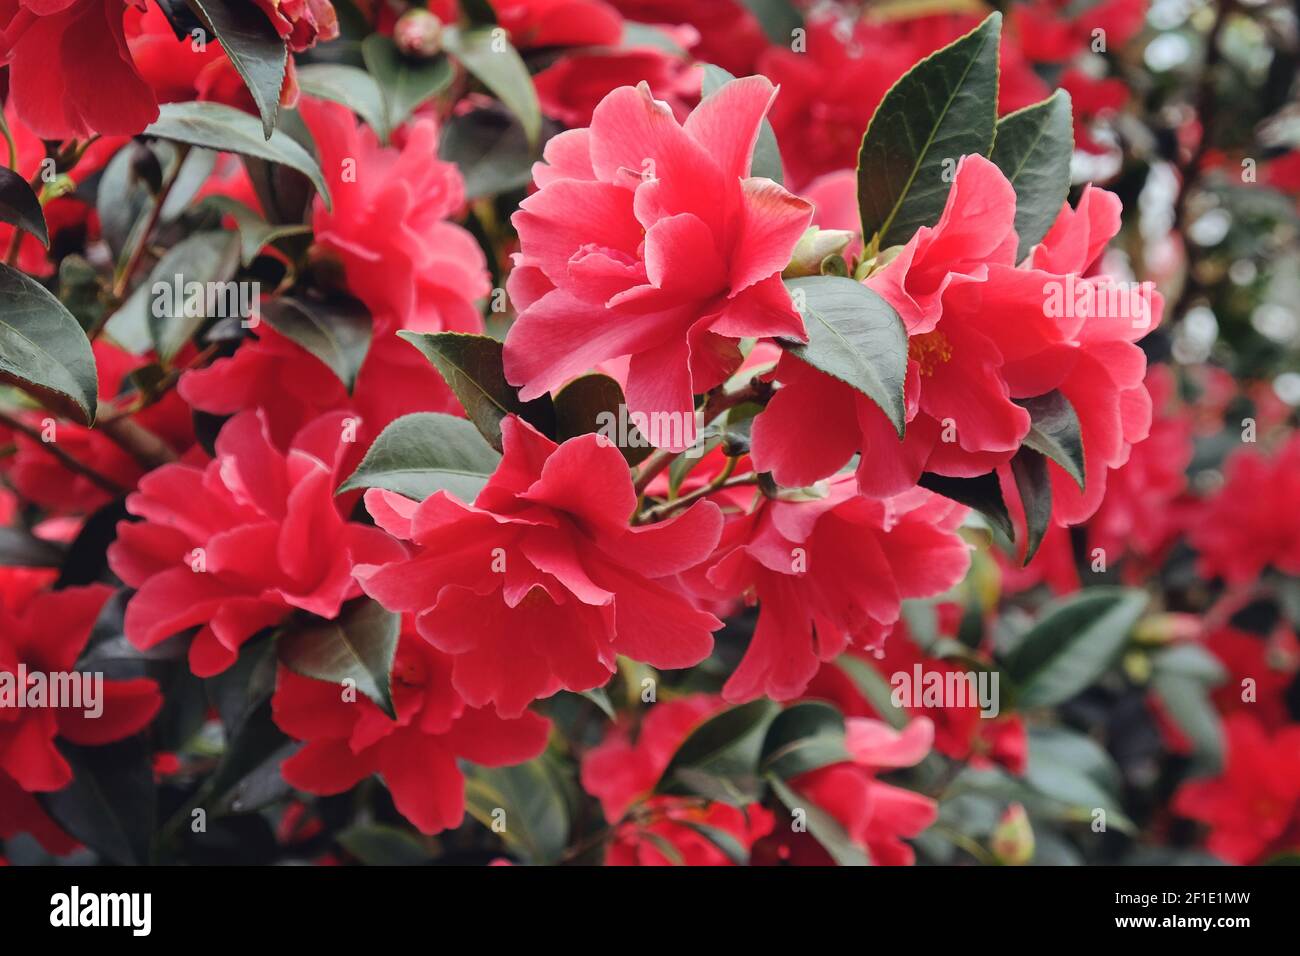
418,33
1013,838
814,248
1167,628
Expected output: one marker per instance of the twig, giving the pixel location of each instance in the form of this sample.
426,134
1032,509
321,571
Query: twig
721,482
715,404
122,279
138,442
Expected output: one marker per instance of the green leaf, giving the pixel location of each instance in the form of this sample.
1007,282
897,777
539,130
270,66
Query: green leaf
1071,769
824,828
730,847
485,53
20,207
983,493
336,331
378,844
855,336
404,83
726,747
472,367
1032,146
1181,678
359,645
350,85
1073,644
173,317
491,151
23,550
536,821
778,18
767,155
111,803
43,349
418,454
587,404
253,46
873,686
255,233
231,130
1029,468
803,737
1054,431
599,697
940,110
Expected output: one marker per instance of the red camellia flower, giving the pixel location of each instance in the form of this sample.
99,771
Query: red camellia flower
302,23
573,86
541,23
1253,807
70,72
649,238
412,268
236,545
828,572
540,584
44,632
654,830
876,816
1252,522
416,754
1053,31
982,332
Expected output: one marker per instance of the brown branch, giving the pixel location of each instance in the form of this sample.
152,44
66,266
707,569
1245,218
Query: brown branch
138,442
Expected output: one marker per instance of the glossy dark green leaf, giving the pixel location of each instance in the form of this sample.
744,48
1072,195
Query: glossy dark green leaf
404,83
823,827
19,548
472,367
418,454
1073,643
231,130
487,54
1182,678
778,18
258,53
1055,432
43,349
983,493
591,403
336,331
525,805
255,233
767,156
379,844
855,336
350,85
940,110
1032,146
174,313
1034,485
803,737
358,646
726,747
491,151
20,207
111,803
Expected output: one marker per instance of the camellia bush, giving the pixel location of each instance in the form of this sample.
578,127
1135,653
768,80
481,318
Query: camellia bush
650,432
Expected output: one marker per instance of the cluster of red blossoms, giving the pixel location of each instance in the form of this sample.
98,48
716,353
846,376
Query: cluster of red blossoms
441,551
